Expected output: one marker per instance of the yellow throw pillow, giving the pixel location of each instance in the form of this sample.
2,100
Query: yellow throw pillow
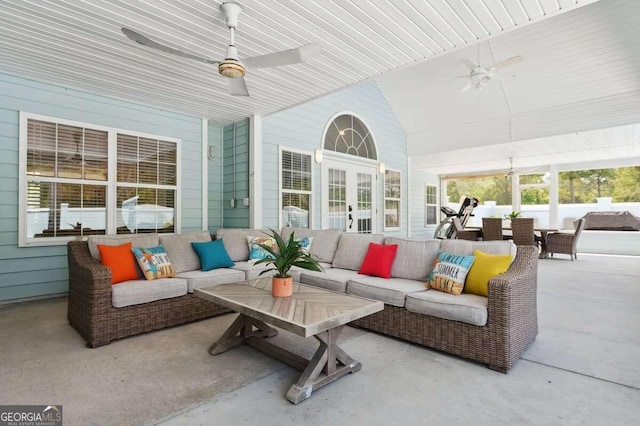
483,269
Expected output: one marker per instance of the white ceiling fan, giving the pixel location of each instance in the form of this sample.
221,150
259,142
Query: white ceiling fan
513,172
479,76
231,66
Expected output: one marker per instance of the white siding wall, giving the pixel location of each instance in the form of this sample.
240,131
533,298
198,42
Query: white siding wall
417,203
36,271
302,127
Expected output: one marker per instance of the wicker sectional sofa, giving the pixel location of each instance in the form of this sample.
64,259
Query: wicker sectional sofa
494,330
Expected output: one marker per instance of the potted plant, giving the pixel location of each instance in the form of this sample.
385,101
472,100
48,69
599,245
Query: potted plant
289,253
511,215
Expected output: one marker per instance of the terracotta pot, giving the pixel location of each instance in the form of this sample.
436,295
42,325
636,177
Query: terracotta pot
282,287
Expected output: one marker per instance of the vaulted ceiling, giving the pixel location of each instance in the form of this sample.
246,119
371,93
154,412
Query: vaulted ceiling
578,61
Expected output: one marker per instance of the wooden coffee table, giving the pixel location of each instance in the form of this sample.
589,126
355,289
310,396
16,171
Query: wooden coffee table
311,311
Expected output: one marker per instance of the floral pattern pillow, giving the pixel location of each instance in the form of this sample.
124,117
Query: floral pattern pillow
255,251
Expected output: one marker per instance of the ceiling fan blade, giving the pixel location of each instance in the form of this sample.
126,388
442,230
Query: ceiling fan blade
145,41
286,57
508,62
467,87
469,64
238,87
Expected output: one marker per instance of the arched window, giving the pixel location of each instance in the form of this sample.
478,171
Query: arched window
349,135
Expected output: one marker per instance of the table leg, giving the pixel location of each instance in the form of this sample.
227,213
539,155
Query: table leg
543,244
240,330
328,364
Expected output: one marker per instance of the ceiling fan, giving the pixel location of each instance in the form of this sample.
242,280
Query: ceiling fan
513,172
231,66
480,76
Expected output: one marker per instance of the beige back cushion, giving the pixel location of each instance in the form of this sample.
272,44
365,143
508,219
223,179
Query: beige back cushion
181,252
465,247
352,248
235,241
137,240
414,258
325,242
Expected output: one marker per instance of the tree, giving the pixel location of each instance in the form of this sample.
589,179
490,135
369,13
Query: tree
626,188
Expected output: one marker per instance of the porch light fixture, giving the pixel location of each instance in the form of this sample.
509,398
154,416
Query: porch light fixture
317,155
381,168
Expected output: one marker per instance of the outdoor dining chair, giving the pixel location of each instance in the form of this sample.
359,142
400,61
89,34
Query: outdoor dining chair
464,234
522,228
565,243
491,229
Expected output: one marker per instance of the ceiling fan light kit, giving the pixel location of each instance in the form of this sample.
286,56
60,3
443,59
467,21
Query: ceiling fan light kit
232,67
479,77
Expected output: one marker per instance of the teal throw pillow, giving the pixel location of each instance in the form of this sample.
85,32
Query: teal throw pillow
212,255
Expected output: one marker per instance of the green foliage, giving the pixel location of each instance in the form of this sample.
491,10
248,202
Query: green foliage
626,188
489,188
289,254
574,187
512,215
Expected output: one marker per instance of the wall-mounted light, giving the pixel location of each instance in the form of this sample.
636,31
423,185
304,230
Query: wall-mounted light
381,168
211,152
317,155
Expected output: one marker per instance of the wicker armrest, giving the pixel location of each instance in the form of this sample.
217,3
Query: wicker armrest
89,291
94,277
513,293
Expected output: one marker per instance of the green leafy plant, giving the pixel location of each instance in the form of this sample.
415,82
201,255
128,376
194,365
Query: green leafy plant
290,253
512,215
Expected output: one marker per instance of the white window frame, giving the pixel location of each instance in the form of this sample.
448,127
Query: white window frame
427,204
385,198
111,183
281,191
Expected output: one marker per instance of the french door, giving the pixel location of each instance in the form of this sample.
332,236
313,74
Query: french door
349,197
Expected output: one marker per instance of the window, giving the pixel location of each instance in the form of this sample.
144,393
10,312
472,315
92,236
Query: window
430,205
296,180
75,184
392,197
347,134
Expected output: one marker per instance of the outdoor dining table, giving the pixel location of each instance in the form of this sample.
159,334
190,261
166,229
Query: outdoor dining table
543,236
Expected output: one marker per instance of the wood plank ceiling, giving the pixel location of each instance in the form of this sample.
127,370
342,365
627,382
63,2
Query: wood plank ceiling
579,75
78,44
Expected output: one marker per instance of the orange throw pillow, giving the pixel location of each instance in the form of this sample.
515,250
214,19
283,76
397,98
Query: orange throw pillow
121,262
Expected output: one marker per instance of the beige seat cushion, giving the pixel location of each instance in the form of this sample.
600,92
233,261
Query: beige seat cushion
332,279
202,279
390,291
469,308
179,249
143,291
251,270
296,272
137,240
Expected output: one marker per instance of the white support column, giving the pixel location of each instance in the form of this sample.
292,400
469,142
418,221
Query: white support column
515,192
553,196
255,174
205,174
408,197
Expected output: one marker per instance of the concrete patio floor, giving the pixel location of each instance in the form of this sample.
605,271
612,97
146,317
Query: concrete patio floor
582,369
